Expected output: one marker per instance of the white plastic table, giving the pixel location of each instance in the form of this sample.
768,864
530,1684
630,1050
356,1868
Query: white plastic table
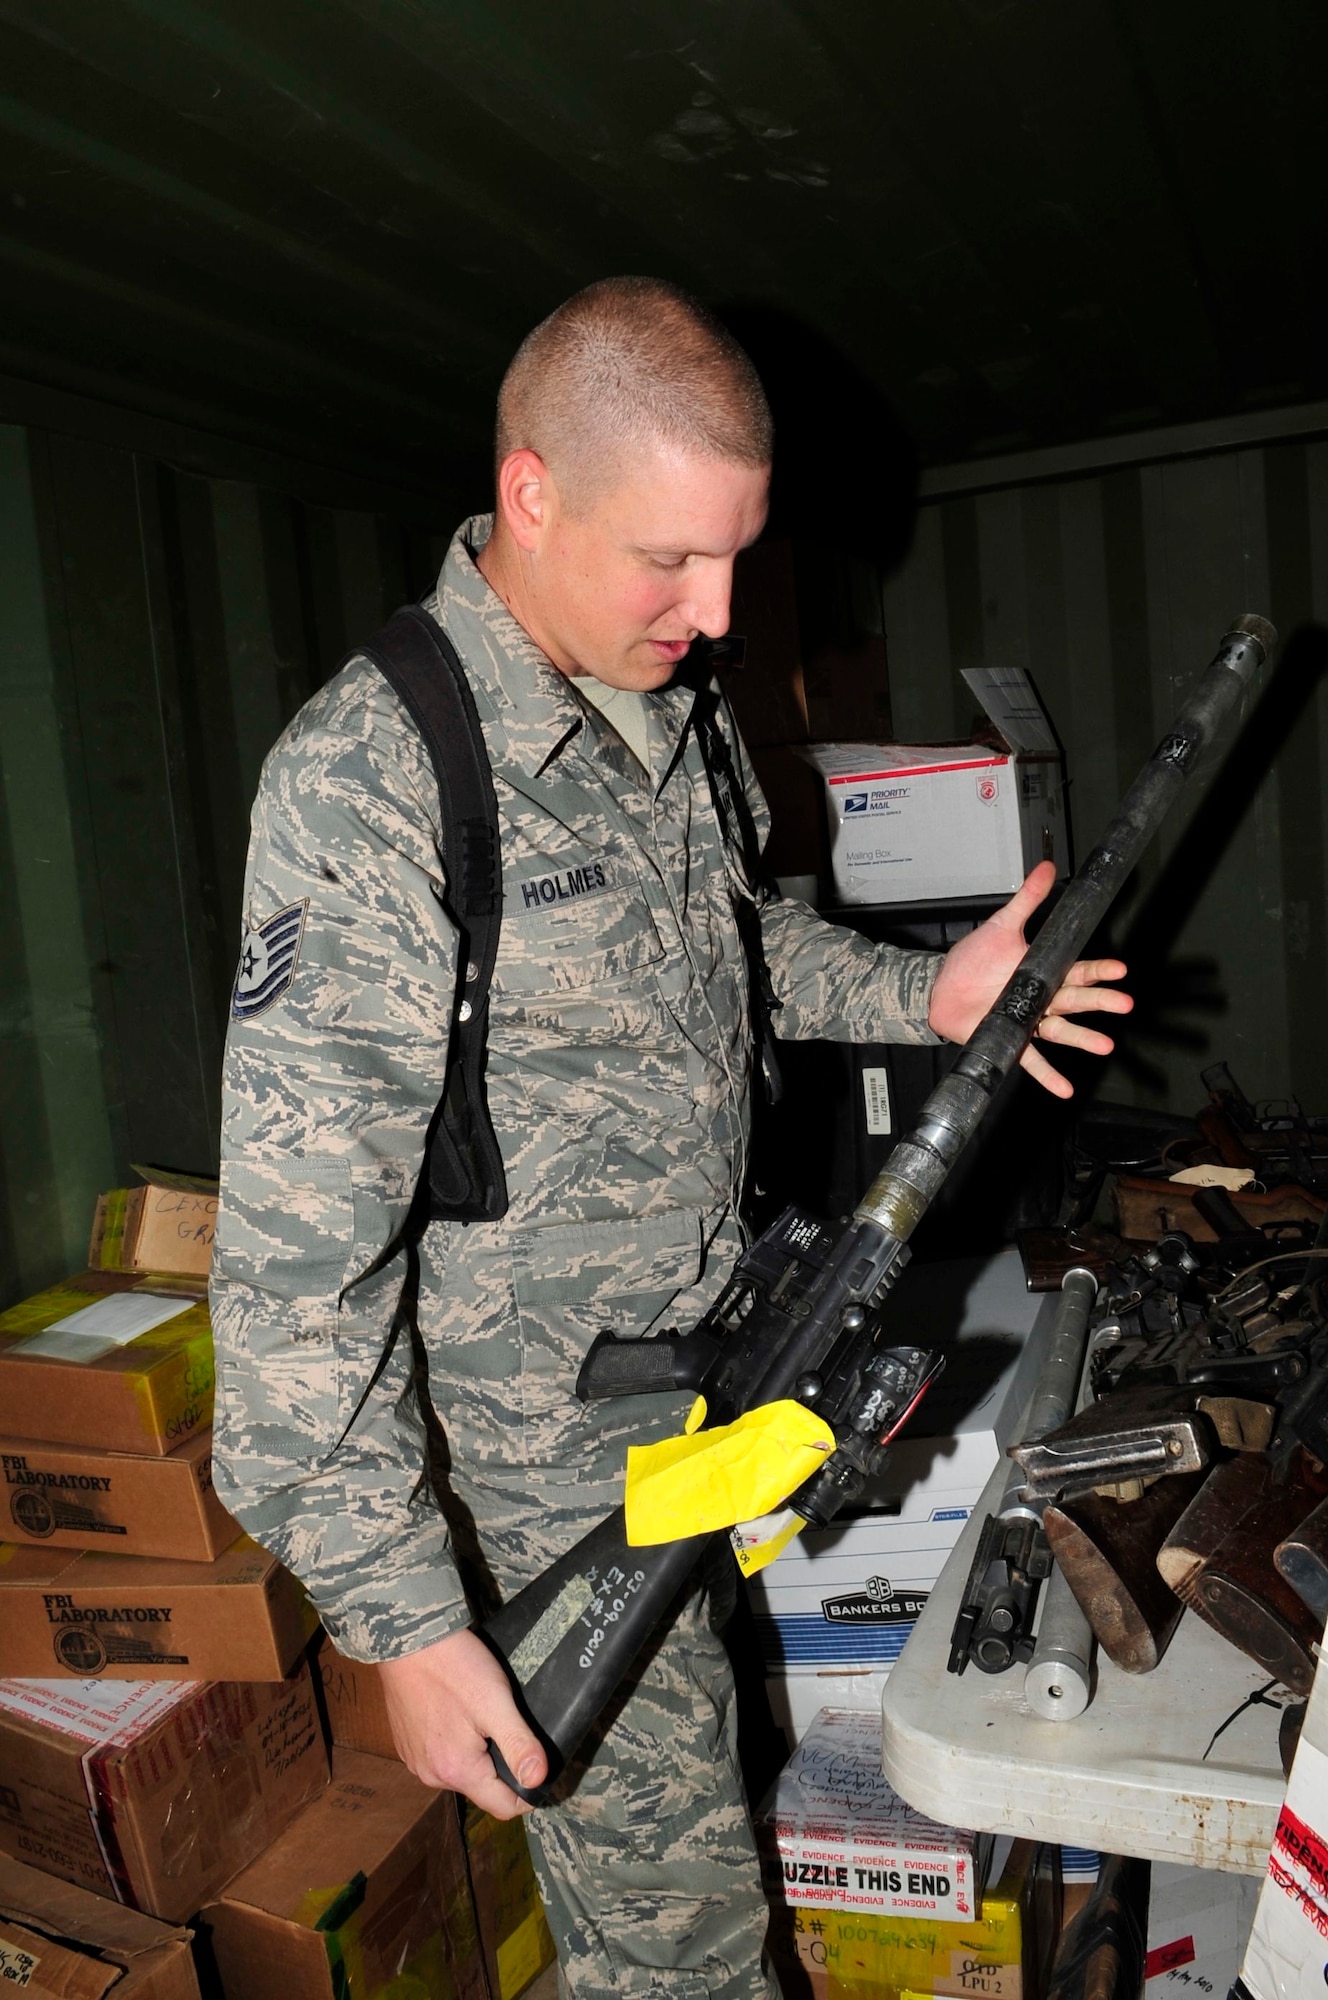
1128,1776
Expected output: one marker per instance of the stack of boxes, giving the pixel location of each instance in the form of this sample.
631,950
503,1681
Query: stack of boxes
173,1751
834,1610
120,1557
164,1742
872,1901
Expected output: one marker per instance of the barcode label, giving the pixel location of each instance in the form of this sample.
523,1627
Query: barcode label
876,1092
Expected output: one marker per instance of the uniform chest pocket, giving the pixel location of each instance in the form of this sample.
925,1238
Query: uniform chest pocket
576,926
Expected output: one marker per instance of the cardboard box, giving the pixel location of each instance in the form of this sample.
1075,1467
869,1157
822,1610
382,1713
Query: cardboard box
154,1794
922,822
835,1835
115,1369
353,1701
364,1896
74,1497
1003,1953
79,1615
85,1946
166,1225
917,822
842,1601
513,1928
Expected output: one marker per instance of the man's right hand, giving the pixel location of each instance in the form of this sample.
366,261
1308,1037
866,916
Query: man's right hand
443,1704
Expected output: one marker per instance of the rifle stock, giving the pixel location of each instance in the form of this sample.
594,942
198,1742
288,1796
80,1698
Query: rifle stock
802,1315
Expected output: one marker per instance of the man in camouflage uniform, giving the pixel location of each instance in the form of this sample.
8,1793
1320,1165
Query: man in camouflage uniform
618,1080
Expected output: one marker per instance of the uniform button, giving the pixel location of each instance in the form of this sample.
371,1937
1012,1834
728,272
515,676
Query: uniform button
464,1011
472,972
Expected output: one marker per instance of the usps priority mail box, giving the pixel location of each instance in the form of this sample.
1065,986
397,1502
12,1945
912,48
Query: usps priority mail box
834,1610
914,822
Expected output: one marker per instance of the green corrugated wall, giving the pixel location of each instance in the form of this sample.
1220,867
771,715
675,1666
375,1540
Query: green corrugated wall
157,628
1113,590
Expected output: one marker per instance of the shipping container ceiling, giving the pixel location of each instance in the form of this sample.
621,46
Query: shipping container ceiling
321,225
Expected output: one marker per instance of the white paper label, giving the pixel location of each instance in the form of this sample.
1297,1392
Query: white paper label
1008,696
876,1092
112,1322
16,1965
96,1712
756,1544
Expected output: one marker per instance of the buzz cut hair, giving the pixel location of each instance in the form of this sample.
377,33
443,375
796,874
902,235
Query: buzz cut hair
625,364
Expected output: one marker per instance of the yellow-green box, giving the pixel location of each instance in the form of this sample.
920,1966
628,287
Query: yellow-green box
145,1394
1002,1956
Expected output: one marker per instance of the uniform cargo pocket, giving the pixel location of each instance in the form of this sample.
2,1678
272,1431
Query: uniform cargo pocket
635,1261
285,1232
571,1281
287,1228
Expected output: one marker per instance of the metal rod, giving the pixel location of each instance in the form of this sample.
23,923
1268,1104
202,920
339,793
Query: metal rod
1057,1391
1058,1682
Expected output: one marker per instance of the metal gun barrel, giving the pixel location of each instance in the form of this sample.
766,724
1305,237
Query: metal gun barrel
1057,1392
1058,1681
912,1176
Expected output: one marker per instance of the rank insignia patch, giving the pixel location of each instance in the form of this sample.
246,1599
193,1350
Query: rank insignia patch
267,961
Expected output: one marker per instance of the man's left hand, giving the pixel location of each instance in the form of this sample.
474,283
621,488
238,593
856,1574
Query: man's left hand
977,969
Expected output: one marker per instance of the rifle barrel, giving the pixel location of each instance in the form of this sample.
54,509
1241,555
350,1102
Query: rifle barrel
900,1195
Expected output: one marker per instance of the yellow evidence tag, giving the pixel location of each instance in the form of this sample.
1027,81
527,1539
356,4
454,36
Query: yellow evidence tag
693,1485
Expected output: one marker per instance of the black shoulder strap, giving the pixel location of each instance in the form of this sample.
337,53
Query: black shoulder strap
419,662
735,819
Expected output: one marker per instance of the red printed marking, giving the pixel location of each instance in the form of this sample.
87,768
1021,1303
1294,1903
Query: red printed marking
1309,1909
922,771
1166,1957
1300,1843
